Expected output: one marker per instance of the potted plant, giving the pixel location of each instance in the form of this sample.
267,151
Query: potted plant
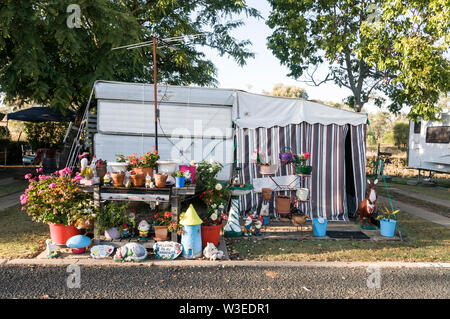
179,179
144,164
300,164
206,173
111,218
100,167
161,223
160,180
55,200
387,223
265,166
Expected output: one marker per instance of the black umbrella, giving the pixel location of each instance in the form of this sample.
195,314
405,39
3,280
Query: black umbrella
41,114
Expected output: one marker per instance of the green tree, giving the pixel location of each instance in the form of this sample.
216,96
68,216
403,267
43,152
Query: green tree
281,89
44,61
335,34
401,134
45,134
380,123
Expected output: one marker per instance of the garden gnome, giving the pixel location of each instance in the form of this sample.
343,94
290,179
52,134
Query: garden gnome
191,238
232,228
107,179
143,229
258,225
148,181
248,225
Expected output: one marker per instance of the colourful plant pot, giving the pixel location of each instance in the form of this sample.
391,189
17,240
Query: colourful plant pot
211,234
118,179
191,169
143,171
138,180
60,233
319,229
283,204
160,180
387,227
305,170
179,181
101,171
266,220
161,233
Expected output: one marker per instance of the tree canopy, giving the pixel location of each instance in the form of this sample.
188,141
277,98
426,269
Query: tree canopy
394,47
44,61
281,89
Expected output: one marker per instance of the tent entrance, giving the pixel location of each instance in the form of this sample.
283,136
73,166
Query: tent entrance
350,189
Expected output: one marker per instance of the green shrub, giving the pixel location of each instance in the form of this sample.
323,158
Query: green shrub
46,134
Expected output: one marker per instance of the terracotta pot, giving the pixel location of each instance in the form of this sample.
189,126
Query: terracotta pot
211,234
143,171
61,233
161,233
283,204
160,180
138,180
268,169
118,178
267,193
101,171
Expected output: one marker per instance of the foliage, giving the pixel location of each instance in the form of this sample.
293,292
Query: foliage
162,219
401,134
215,213
380,123
120,158
206,174
113,215
179,174
56,199
148,160
259,157
45,134
44,61
387,214
281,89
388,138
401,57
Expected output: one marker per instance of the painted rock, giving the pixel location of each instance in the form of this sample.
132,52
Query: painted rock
78,241
167,250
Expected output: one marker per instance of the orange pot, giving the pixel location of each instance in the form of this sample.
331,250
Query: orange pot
161,233
101,171
267,193
118,178
143,171
283,204
138,180
160,180
61,233
211,234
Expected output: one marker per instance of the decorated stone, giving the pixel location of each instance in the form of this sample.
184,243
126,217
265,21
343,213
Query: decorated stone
78,241
101,251
131,252
169,250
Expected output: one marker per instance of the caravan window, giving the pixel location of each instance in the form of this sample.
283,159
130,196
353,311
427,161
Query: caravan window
417,127
439,134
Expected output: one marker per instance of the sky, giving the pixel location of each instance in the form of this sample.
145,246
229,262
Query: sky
265,70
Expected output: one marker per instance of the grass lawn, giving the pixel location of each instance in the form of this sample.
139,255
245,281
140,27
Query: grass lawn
20,237
12,188
437,192
425,241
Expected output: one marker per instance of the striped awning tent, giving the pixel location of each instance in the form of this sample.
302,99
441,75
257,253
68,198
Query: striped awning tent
335,139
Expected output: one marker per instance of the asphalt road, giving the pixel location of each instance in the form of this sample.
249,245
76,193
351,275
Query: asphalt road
140,281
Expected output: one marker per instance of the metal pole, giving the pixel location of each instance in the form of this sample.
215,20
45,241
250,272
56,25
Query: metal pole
155,93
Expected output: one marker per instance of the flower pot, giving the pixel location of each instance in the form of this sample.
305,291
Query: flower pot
286,156
60,233
161,233
179,181
305,170
302,194
211,234
267,193
266,220
191,169
112,233
118,166
118,178
167,167
319,228
143,171
387,227
101,171
268,169
283,204
160,180
138,180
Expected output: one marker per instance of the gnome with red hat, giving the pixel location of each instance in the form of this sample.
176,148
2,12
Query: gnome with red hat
258,225
248,225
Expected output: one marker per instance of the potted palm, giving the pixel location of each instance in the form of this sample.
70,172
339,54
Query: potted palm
111,218
55,200
387,223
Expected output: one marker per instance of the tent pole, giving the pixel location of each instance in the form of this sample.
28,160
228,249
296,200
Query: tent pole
155,92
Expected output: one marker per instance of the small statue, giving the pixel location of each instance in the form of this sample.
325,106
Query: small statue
107,179
211,252
148,181
125,232
132,219
143,229
127,181
258,225
131,252
367,206
248,225
51,249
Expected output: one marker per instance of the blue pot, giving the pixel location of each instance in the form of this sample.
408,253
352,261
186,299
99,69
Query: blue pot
179,181
387,227
319,229
266,220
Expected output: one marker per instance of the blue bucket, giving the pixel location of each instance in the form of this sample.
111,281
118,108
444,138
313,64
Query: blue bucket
179,181
266,220
319,229
387,227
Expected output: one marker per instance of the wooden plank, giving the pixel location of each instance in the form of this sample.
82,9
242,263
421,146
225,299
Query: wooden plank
176,210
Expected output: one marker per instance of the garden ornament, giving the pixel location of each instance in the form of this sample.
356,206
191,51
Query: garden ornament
143,229
107,179
248,225
148,181
51,249
367,206
211,252
258,225
131,252
78,243
232,228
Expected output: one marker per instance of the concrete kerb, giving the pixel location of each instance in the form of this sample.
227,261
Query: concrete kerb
227,263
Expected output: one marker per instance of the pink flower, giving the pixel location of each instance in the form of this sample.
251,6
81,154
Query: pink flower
77,178
39,170
23,199
52,185
28,176
67,170
42,177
